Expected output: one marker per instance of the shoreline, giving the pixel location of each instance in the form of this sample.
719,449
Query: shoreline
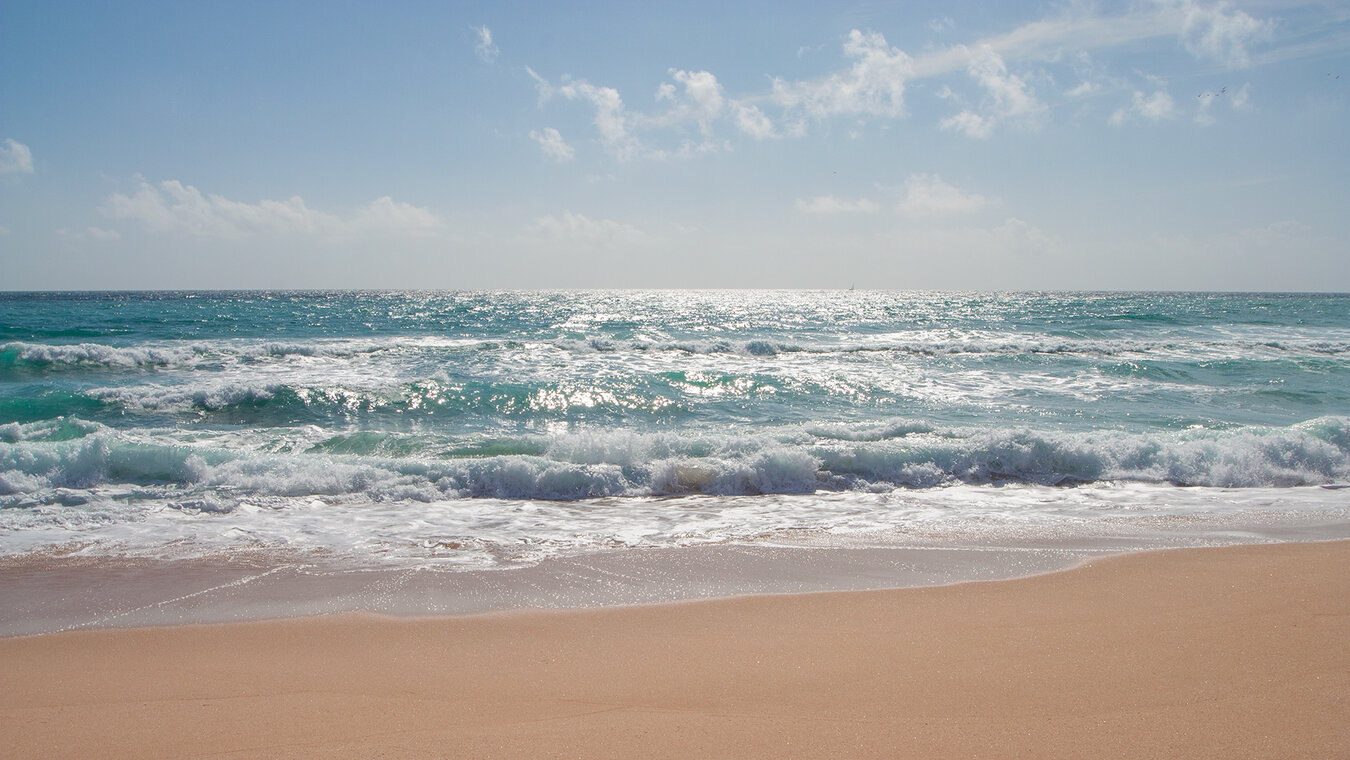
43,593
1216,652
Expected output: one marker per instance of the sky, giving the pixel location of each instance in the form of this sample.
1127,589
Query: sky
1149,145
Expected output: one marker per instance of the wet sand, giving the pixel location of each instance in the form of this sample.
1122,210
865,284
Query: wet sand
1227,652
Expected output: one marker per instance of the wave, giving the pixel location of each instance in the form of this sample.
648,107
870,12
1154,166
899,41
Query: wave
944,344
20,359
218,397
59,429
37,356
269,403
335,349
36,466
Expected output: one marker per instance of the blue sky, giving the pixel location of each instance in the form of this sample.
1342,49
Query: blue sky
1170,144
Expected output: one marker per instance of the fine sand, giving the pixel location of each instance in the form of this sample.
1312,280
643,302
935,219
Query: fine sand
1223,653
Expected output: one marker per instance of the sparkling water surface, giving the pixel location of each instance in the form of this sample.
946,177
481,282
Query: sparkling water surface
491,428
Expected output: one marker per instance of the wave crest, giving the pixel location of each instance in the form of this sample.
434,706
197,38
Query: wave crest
36,461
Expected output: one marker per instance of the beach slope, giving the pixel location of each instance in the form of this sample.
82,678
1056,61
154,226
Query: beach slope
1223,653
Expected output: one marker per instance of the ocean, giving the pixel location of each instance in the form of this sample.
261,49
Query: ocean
481,430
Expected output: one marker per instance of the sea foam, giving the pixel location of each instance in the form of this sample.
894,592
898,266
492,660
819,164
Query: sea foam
621,463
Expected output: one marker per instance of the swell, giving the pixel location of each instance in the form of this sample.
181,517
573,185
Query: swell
52,404
23,359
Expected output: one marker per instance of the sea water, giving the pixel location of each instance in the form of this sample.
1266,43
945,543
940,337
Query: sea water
495,429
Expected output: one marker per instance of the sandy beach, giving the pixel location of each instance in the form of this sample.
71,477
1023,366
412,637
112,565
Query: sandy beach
1228,652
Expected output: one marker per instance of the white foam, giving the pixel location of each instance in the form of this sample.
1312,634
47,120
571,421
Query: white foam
620,462
100,354
488,532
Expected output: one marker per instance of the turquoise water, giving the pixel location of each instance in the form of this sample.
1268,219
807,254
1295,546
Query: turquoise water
495,427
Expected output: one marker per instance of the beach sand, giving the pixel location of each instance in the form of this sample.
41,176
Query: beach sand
1229,652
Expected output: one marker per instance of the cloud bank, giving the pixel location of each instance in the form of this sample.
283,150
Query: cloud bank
923,196
577,229
829,204
172,207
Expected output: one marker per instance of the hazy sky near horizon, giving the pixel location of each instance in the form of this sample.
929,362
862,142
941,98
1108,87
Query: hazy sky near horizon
1168,144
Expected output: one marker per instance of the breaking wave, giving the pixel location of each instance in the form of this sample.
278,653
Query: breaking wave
39,459
18,358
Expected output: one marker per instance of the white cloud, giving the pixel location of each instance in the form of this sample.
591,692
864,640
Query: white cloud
703,98
753,122
873,85
98,233
924,196
611,119
928,195
688,148
1203,117
969,122
15,158
1043,40
1007,98
3,230
1156,107
1083,89
1009,92
545,89
579,229
554,146
91,233
487,52
942,24
700,100
178,208
875,79
384,215
1212,31
829,204
1238,100
696,98
1019,238
1093,78
1215,31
